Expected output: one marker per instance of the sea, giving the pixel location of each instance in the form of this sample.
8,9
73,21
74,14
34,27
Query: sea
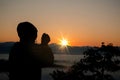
65,60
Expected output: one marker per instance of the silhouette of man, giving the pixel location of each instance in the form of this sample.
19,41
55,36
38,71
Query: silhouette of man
26,58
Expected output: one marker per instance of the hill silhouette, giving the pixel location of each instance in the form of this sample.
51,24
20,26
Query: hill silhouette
5,47
57,49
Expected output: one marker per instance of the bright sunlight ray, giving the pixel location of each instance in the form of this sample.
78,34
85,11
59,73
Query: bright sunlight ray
64,42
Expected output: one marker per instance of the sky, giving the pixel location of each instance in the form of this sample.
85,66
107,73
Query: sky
81,22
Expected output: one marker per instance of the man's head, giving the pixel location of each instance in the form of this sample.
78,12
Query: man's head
27,32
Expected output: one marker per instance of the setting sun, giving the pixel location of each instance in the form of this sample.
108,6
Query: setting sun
64,42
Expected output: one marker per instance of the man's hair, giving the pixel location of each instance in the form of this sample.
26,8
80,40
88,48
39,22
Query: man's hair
27,31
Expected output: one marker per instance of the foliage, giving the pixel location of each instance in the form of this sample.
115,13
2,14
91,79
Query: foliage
97,64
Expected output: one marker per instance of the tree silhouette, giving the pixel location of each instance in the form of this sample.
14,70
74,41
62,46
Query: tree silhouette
97,64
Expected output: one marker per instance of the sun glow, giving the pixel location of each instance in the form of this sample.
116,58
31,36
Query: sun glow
64,42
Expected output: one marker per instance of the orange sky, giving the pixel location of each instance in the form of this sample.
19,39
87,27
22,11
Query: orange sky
82,22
